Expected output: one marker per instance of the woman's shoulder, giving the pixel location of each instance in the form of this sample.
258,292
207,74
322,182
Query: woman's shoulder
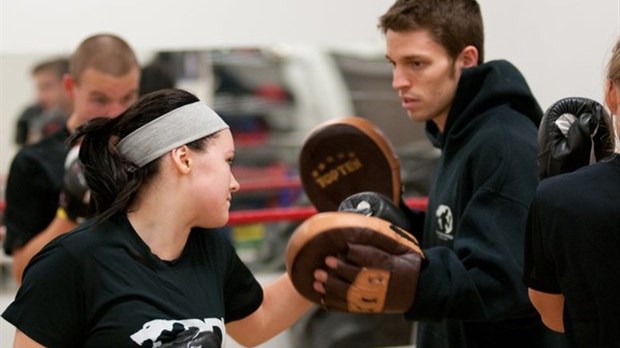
87,237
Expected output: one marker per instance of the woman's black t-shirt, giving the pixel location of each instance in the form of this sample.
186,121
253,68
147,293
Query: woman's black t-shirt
100,286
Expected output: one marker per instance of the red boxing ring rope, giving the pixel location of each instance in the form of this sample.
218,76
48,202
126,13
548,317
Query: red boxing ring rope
240,217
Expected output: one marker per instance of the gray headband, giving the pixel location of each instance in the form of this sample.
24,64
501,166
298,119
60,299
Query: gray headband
178,127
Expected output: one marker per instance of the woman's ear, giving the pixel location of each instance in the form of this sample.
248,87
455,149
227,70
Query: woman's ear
182,159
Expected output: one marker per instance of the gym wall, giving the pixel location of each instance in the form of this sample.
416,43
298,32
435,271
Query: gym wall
560,45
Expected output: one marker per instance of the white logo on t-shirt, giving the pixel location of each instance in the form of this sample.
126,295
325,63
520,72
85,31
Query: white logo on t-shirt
208,333
444,222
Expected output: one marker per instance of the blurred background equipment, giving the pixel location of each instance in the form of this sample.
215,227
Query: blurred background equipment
272,97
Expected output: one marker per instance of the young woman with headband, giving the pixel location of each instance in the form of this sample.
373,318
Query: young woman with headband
151,269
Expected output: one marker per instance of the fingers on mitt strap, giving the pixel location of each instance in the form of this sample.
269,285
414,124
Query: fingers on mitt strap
368,291
376,262
391,279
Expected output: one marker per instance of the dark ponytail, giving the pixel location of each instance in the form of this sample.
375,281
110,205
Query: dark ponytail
112,180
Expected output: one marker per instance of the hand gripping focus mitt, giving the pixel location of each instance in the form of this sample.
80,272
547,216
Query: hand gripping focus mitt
344,156
379,263
574,132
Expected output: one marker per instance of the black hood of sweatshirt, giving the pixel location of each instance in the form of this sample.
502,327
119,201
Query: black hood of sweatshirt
481,90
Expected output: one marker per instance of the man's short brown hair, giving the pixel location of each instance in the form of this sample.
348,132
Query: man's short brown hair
454,24
58,66
106,53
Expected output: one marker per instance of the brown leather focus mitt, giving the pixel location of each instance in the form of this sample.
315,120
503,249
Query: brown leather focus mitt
378,268
344,156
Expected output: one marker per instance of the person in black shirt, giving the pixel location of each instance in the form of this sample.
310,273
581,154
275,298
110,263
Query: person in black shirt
53,104
103,80
484,118
573,236
152,268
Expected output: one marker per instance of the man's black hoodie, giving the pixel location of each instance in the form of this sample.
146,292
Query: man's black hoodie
470,293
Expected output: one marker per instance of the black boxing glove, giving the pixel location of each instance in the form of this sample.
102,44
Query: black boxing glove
574,132
74,194
375,204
